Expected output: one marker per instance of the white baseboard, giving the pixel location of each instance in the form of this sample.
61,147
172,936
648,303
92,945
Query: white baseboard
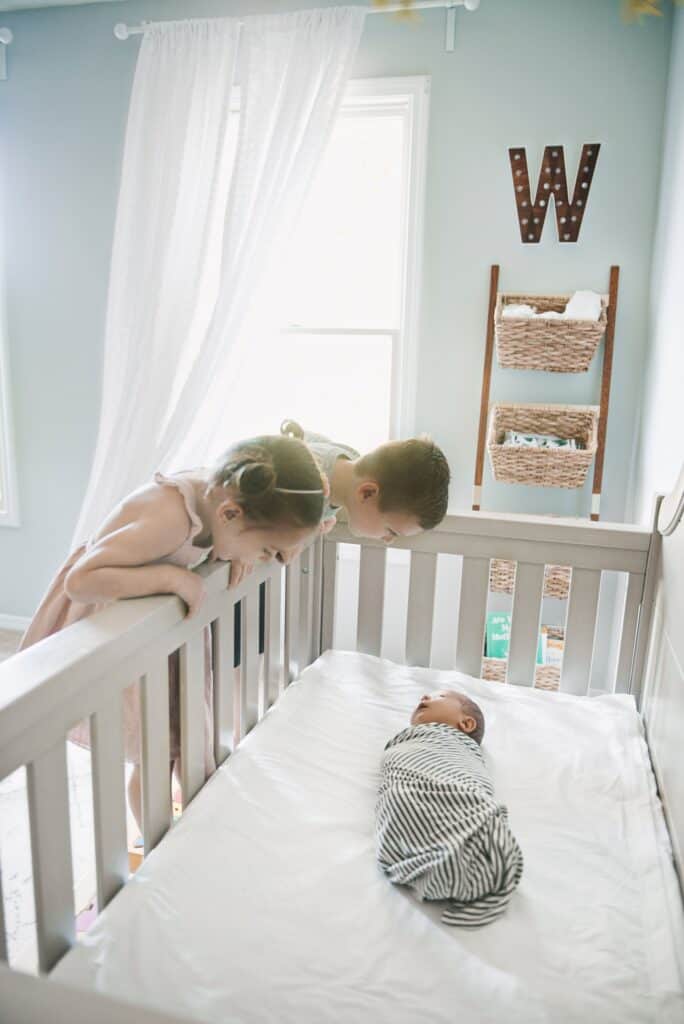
17,622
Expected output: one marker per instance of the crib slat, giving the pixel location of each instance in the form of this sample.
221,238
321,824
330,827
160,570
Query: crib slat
223,659
109,801
522,657
3,933
249,669
48,801
371,600
329,577
580,629
273,654
628,636
317,599
421,607
292,578
305,606
192,715
156,754
472,611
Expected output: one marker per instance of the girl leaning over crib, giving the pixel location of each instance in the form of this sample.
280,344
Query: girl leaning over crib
262,500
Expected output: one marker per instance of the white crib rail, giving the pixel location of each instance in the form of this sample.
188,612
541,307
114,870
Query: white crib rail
533,542
28,1000
80,674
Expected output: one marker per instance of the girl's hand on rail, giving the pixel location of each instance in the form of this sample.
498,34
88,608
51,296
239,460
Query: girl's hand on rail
238,572
190,588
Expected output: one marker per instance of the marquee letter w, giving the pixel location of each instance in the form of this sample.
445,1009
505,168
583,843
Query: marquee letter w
552,182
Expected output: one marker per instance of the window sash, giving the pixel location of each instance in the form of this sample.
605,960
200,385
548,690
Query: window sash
388,97
395,335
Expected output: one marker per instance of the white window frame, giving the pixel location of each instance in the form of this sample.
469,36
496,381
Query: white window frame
388,95
9,509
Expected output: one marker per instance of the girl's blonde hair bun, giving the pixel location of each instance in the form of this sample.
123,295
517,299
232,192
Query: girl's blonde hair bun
255,479
290,428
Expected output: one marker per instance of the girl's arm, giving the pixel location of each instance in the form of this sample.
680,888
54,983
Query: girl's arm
121,562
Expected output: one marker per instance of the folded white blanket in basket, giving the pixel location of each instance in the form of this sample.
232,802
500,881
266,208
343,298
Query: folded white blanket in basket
582,305
439,828
518,311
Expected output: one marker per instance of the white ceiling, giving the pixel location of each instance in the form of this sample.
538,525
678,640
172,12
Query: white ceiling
27,5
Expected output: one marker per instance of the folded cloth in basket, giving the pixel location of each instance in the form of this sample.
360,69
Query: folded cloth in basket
516,439
582,305
439,828
518,311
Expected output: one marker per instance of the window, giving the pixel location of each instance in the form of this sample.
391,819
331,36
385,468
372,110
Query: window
342,361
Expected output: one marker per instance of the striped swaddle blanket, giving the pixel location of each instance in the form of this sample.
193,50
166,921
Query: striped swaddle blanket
439,828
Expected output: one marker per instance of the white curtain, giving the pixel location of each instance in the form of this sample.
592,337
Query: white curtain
201,214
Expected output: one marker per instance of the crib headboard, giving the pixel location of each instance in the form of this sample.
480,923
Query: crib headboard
663,689
591,550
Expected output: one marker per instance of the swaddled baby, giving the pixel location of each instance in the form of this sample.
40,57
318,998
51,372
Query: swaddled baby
439,828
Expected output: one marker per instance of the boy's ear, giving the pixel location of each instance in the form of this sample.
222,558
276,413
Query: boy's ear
368,490
229,510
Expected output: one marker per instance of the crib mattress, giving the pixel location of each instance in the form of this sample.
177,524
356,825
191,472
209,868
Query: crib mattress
264,903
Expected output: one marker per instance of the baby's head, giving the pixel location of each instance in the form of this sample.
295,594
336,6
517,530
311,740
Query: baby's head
448,707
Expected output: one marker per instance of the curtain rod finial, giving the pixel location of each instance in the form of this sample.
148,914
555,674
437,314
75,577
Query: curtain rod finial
121,31
6,36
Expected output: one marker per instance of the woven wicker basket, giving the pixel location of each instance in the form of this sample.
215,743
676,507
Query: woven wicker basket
557,581
543,467
559,346
556,578
494,669
546,677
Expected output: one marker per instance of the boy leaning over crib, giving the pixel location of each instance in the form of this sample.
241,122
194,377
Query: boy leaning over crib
396,490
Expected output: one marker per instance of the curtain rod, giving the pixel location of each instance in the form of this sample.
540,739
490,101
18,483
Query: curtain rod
123,31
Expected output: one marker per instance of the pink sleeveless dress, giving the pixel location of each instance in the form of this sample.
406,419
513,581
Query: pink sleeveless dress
57,610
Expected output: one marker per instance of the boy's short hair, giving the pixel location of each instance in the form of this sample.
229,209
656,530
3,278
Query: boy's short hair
413,477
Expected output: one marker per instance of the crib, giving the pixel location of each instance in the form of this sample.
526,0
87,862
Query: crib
82,672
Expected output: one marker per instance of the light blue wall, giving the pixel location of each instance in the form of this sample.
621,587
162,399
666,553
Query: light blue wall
660,450
525,72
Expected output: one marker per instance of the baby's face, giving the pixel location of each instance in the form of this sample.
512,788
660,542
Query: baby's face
445,707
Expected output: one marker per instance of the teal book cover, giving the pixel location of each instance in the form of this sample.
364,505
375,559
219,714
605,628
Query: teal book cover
498,636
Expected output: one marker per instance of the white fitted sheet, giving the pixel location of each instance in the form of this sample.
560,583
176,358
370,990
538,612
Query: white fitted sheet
264,904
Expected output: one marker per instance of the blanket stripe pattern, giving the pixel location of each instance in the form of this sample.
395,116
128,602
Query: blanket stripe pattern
439,828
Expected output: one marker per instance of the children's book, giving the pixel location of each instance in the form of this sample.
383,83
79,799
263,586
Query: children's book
498,637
